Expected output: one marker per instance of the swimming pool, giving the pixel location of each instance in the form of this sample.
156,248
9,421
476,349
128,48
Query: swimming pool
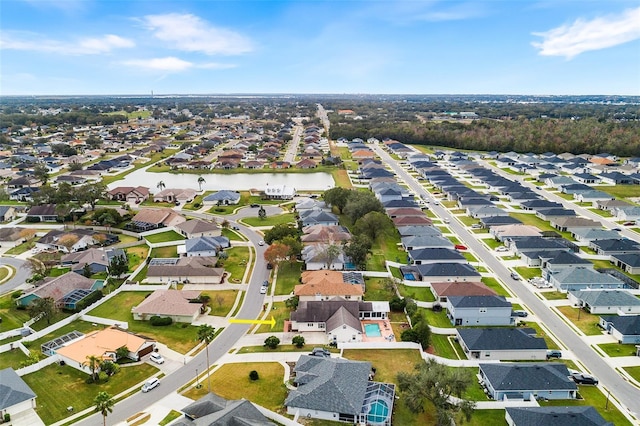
372,330
378,412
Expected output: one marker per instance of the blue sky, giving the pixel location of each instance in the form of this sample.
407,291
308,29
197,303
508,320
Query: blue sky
426,47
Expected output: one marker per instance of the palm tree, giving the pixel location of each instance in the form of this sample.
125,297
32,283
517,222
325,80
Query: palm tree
161,185
93,362
206,333
200,182
104,405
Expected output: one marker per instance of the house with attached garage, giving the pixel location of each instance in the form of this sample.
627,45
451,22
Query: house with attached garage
97,259
435,255
326,285
317,256
615,246
615,178
441,291
504,344
610,205
223,197
479,310
553,213
203,246
554,415
581,278
16,396
592,196
148,219
212,409
618,302
527,381
438,272
568,224
516,231
417,242
194,270
318,217
195,228
627,213
42,213
179,305
563,259
522,245
7,213
625,329
629,263
586,235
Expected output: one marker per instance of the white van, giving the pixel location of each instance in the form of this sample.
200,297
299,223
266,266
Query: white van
150,384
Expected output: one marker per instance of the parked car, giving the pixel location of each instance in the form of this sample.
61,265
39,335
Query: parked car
263,290
260,243
446,220
460,247
255,205
501,248
584,379
515,276
150,384
157,358
554,353
269,266
537,187
630,223
520,313
321,352
236,228
476,226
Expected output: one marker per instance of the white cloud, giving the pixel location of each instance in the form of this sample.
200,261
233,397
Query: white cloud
582,36
86,46
170,64
190,33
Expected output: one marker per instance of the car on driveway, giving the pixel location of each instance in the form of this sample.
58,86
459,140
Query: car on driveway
501,248
584,379
320,352
554,353
520,313
157,358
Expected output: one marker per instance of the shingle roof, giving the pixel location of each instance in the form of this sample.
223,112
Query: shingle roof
60,286
478,301
330,384
632,260
565,416
626,325
196,226
582,275
223,195
607,298
13,390
169,302
500,339
528,376
213,410
465,288
437,253
447,269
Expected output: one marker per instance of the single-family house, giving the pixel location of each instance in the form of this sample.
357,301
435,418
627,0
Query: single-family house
417,242
279,192
338,389
173,195
318,217
552,213
96,259
629,263
610,205
615,178
323,234
42,213
627,213
442,290
328,288
11,236
615,246
564,224
586,235
504,344
16,396
193,270
435,255
66,290
611,302
148,219
129,194
527,381
557,260
581,278
7,213
103,344
580,415
515,231
203,246
195,228
625,329
592,196
224,197
479,310
489,222
522,245
213,410
179,305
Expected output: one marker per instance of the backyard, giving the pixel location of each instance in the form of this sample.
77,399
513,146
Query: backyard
164,237
443,346
422,294
236,264
378,289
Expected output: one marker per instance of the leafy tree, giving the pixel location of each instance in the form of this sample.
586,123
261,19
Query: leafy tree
91,193
44,306
329,253
118,266
298,341
360,203
358,250
337,197
271,342
206,334
201,180
397,304
86,270
276,253
41,172
68,241
374,225
93,141
411,307
292,302
93,362
104,405
295,247
109,368
37,266
281,231
122,352
436,383
262,213
75,166
253,375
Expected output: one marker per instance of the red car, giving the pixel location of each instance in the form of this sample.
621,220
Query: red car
460,247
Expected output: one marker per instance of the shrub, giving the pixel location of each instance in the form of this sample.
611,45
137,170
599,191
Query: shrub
196,205
272,342
253,375
7,417
93,297
397,304
16,294
298,341
158,321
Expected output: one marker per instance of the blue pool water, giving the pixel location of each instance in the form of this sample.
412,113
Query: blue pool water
372,330
378,412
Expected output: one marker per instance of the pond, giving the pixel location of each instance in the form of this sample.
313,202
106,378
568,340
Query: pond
236,182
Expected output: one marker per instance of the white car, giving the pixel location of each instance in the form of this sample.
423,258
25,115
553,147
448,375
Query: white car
263,290
157,358
260,243
150,384
501,248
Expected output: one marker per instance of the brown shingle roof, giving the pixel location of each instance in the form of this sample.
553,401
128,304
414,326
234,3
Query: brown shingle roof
466,288
169,302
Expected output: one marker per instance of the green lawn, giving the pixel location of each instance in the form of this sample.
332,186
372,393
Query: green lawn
268,391
633,372
444,347
280,313
232,235
341,178
616,349
173,414
474,392
376,289
495,285
620,191
386,248
221,301
528,273
178,336
21,248
588,323
136,255
436,319
169,251
532,219
270,220
554,295
492,243
72,391
236,263
13,358
592,396
288,277
469,256
422,294
164,237
57,271
11,317
484,418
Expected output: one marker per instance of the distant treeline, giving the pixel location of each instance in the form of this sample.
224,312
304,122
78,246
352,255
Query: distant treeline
76,118
588,135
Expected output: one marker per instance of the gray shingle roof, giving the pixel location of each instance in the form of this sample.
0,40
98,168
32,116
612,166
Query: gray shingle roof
330,384
626,325
528,376
436,253
447,269
607,298
477,339
565,416
213,410
478,301
13,390
582,275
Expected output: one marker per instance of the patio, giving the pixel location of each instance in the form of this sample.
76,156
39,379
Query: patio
377,331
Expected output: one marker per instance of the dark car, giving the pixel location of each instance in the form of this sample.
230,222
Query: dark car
321,352
520,314
554,353
269,266
255,205
584,379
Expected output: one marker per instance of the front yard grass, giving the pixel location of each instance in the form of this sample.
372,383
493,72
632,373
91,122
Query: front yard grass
280,313
236,264
633,372
528,273
232,235
221,301
288,278
180,337
593,396
422,294
164,237
270,220
617,349
72,391
588,323
268,391
554,295
495,285
492,243
23,247
11,316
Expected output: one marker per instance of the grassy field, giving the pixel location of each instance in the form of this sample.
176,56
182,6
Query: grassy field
13,359
341,178
495,285
280,313
620,191
588,323
616,349
236,263
11,317
422,294
492,243
72,391
288,277
270,220
164,237
444,347
592,396
376,289
222,301
268,391
178,336
136,255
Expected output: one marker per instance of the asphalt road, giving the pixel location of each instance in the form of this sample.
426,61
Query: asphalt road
21,275
294,144
251,308
623,391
